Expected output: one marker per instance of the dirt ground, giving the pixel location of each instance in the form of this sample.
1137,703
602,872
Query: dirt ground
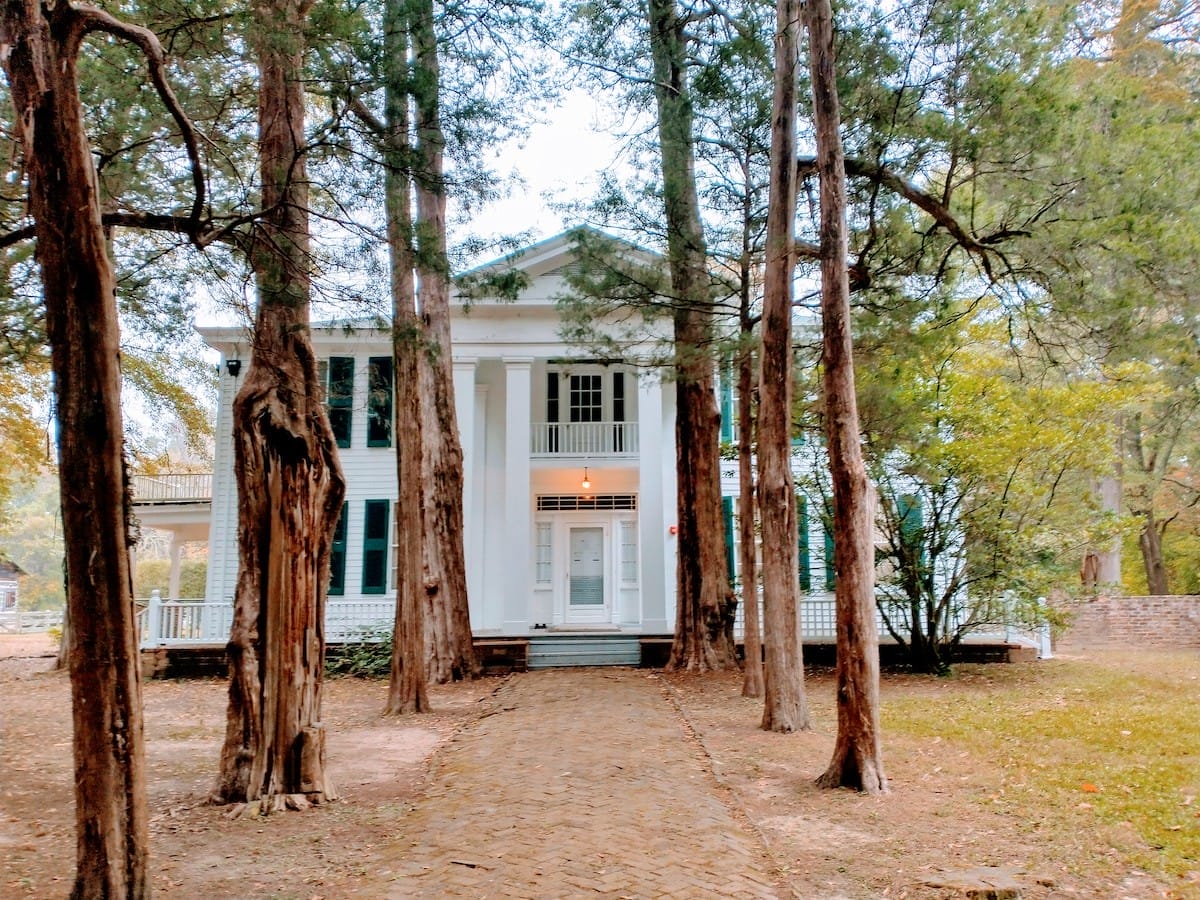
826,844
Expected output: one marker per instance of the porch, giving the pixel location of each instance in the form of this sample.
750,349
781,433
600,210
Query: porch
196,625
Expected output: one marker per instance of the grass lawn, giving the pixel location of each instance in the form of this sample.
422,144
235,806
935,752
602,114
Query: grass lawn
1106,749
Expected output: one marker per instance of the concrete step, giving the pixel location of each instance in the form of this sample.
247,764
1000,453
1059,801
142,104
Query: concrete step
551,651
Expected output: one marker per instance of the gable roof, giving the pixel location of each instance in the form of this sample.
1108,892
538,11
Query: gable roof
557,251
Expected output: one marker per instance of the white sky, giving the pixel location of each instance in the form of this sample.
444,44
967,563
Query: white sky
560,158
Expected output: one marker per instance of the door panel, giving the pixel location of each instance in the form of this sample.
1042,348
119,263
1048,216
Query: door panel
585,576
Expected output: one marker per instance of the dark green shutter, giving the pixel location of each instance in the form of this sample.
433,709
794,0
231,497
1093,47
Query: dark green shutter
727,510
802,542
830,569
726,404
375,547
379,401
337,556
912,524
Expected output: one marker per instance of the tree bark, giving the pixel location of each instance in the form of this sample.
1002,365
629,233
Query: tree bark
752,669
1150,543
290,485
785,707
408,685
449,646
857,756
42,44
705,605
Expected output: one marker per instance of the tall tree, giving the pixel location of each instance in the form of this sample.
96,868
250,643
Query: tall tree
290,485
407,687
43,45
705,605
857,756
785,707
448,624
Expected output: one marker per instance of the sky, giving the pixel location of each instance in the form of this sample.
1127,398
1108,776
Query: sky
560,158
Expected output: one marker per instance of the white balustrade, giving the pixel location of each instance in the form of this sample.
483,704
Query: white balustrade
181,623
178,487
593,439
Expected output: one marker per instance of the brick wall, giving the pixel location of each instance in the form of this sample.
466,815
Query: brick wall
1133,622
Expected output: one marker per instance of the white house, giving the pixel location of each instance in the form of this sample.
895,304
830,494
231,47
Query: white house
570,487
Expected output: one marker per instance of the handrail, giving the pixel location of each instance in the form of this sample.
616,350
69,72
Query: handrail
583,439
172,487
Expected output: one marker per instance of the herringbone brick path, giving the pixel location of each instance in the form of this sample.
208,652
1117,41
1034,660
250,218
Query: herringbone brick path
578,783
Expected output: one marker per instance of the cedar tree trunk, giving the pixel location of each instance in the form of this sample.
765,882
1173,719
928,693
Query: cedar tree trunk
449,647
857,756
785,706
705,605
41,46
290,485
407,688
752,670
752,673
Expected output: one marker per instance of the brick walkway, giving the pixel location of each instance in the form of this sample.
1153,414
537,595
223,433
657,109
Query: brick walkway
576,784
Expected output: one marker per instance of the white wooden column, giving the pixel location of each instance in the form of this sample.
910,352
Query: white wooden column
464,410
176,565
517,517
653,507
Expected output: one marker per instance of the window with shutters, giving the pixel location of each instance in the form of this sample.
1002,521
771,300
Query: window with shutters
586,398
375,547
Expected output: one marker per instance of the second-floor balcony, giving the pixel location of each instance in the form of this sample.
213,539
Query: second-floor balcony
585,439
172,487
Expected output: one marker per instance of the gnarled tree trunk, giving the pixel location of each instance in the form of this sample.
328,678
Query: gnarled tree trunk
290,485
857,755
785,707
705,605
41,45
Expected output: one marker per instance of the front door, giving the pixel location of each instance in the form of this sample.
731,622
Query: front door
586,590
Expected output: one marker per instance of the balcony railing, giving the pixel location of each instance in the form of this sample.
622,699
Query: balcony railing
584,439
179,487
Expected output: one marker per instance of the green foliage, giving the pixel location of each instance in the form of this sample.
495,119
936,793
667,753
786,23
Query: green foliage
42,592
154,575
370,656
32,538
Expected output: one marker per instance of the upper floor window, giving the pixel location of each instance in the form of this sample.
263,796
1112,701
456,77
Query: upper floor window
587,398
379,401
337,376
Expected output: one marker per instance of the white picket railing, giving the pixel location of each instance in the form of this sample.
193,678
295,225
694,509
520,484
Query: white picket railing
25,621
172,487
583,439
181,623
178,623
818,622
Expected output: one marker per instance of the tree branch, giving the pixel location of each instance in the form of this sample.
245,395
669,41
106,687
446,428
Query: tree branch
93,19
881,175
